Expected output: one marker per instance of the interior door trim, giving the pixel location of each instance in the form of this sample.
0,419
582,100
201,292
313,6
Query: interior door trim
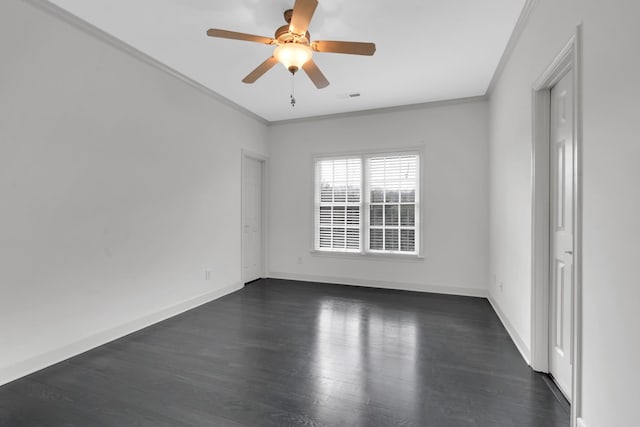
569,59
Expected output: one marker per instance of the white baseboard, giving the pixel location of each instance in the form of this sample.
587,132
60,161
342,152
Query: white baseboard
580,423
515,337
383,284
51,357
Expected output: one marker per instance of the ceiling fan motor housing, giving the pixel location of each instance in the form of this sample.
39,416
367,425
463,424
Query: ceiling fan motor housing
283,35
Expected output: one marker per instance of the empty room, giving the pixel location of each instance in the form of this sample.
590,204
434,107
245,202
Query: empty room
319,213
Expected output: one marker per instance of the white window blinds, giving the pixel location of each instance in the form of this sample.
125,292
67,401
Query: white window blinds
338,204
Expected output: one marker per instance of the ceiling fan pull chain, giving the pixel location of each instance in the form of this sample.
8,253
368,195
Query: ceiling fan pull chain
293,92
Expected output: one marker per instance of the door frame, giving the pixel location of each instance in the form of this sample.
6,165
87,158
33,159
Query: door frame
246,154
568,60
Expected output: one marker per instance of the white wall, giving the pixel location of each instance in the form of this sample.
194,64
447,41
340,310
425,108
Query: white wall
455,184
611,147
119,186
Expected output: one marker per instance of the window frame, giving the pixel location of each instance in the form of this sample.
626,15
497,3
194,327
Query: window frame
365,252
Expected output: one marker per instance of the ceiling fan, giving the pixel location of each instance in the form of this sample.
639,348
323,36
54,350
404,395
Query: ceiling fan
294,47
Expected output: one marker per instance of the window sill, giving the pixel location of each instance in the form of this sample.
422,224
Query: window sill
369,256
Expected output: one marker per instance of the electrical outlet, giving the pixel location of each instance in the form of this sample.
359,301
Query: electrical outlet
299,260
207,275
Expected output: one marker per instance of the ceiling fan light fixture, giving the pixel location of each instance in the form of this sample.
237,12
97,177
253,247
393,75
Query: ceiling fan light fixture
293,55
294,48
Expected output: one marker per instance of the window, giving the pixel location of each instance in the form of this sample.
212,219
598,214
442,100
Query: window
338,198
391,199
385,188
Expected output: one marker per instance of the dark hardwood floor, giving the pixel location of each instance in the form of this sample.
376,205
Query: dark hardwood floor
284,353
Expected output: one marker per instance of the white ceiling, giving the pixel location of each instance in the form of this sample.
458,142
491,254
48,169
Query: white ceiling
427,50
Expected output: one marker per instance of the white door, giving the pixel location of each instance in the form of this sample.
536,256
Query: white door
251,219
561,223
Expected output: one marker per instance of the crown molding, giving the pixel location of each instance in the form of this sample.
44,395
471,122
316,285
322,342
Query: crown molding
396,109
92,30
521,24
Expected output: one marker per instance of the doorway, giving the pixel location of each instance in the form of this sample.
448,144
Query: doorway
556,291
253,170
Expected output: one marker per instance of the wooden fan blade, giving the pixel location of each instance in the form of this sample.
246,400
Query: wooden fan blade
260,70
315,74
352,48
224,34
302,13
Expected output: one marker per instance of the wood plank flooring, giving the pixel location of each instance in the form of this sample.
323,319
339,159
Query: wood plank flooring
285,353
